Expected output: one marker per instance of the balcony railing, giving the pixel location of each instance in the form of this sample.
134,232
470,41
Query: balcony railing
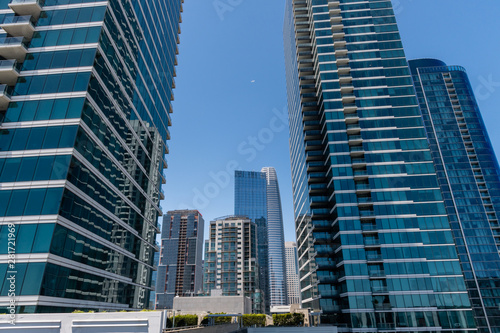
27,7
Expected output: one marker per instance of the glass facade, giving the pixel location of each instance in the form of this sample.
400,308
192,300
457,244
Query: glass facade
85,96
180,272
257,196
468,175
250,199
276,241
375,245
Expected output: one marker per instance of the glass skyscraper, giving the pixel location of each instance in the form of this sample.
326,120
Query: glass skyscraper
275,240
250,199
257,196
468,174
84,113
376,249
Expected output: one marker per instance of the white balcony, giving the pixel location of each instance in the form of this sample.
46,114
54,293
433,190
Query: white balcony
27,7
4,96
13,48
9,72
19,26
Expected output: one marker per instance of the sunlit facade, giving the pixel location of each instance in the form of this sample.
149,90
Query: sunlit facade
84,114
376,249
468,174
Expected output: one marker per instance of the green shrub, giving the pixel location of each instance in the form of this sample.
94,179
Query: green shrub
250,320
183,320
288,319
217,320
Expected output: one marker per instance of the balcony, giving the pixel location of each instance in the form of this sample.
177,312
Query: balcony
366,213
369,228
27,7
352,117
356,150
5,96
355,139
14,48
19,26
383,306
358,162
374,258
380,290
376,274
361,174
9,72
371,242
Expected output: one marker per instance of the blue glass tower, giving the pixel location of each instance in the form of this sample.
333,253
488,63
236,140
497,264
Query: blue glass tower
250,199
257,196
376,249
278,294
84,114
468,175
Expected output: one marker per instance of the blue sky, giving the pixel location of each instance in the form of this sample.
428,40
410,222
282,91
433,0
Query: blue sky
230,96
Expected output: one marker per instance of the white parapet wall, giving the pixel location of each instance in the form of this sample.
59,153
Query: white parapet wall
109,322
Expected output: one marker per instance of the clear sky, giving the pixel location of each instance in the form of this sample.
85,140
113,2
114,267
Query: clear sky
230,96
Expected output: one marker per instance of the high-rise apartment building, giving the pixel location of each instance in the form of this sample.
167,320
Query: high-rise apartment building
468,175
231,264
257,196
84,114
180,272
292,273
376,249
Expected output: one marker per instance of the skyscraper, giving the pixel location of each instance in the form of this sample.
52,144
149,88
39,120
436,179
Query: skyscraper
292,273
468,175
85,103
376,250
250,199
180,272
231,259
275,240
257,196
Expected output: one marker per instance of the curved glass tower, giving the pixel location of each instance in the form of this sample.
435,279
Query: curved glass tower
376,249
256,195
85,97
469,178
275,240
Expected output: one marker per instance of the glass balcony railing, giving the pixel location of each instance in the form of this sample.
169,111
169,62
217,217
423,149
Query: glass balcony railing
13,41
19,20
373,257
376,274
27,2
5,91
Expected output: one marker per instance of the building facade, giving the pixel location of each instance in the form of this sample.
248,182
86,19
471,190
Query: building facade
257,196
275,241
250,199
292,273
376,249
180,272
85,100
231,264
468,175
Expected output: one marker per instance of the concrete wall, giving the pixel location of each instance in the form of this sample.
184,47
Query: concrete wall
115,322
213,304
